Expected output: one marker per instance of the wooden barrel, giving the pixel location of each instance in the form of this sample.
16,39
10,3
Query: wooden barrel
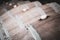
48,29
10,23
43,27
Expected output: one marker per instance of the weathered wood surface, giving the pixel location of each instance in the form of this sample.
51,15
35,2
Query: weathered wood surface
8,6
19,11
48,28
19,33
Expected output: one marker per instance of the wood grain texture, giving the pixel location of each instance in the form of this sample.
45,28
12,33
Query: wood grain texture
48,29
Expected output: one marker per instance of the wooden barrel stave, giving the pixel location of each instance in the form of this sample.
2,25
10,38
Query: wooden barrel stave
18,33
